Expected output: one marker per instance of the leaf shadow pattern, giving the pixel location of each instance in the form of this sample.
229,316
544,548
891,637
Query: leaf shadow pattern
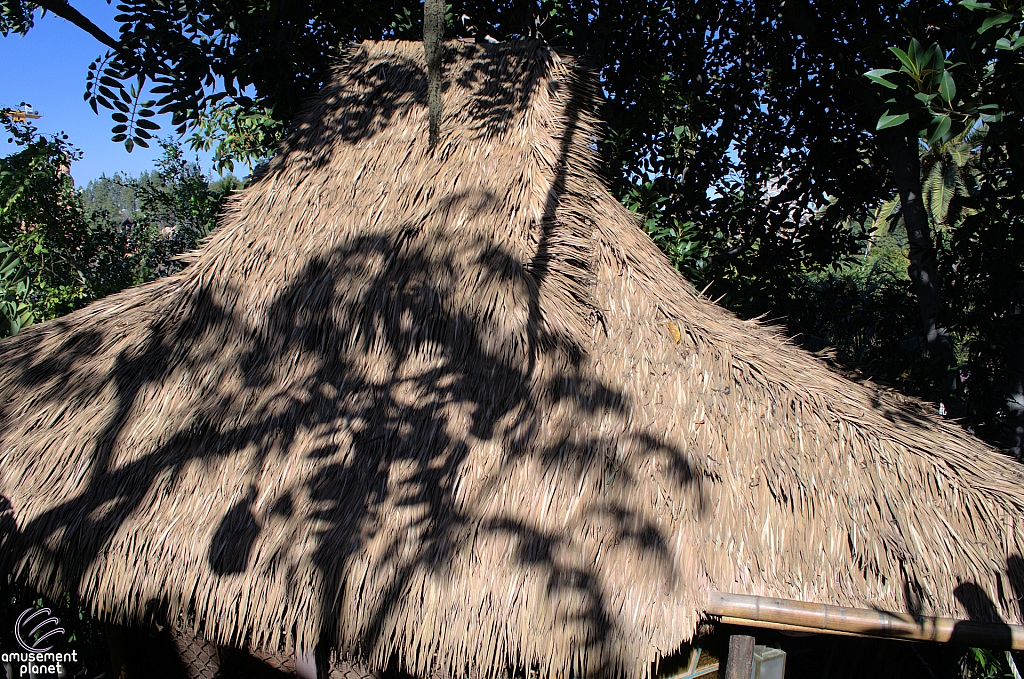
313,461
373,93
397,317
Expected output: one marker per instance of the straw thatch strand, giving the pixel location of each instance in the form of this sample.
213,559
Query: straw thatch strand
454,410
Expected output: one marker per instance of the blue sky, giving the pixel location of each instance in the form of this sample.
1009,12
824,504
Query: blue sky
47,68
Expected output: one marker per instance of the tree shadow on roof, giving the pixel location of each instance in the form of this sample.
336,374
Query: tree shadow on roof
376,371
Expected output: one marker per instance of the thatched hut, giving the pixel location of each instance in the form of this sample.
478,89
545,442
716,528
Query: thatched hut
454,409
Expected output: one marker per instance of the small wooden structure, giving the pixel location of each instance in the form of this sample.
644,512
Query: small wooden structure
454,412
21,115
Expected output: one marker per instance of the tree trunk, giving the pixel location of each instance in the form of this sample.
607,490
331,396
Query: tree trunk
900,146
433,35
1015,373
904,157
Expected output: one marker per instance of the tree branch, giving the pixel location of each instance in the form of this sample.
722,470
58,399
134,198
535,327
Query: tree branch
433,35
65,11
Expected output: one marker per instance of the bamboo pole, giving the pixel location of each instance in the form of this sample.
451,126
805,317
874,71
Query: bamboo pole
801,616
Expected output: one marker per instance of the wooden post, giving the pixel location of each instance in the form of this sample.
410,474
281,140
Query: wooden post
117,644
741,657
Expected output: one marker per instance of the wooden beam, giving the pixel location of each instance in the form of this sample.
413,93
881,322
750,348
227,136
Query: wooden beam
802,616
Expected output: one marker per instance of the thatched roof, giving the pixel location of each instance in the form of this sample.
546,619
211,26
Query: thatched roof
457,409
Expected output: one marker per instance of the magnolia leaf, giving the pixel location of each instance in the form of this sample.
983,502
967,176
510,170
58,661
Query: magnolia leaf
888,120
914,51
1006,45
904,58
947,87
939,128
934,57
878,75
996,20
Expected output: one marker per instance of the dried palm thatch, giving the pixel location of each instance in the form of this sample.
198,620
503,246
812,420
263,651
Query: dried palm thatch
458,411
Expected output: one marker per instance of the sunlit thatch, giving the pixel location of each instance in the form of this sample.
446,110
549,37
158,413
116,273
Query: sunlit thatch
457,409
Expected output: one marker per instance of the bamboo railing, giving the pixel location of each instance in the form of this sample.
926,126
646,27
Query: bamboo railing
801,616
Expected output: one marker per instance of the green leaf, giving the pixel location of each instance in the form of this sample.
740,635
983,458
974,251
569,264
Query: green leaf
960,154
938,189
934,57
947,87
996,20
904,58
939,128
887,120
914,52
878,75
1006,45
